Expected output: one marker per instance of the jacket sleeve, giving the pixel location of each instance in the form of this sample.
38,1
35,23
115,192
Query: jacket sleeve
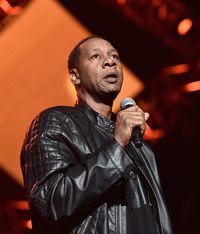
57,184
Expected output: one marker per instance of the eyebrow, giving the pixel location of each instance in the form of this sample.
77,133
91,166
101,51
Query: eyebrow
111,50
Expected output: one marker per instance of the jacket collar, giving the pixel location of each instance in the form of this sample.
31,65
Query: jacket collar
95,116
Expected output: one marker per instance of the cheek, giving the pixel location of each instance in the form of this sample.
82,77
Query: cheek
90,71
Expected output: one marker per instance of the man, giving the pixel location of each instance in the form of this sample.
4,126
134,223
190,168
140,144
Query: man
82,171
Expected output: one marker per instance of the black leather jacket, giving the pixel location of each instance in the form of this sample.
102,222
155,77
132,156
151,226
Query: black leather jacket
79,180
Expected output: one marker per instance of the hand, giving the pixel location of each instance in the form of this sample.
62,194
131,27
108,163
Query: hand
127,119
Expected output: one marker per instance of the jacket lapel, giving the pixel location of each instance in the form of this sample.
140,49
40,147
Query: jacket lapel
145,161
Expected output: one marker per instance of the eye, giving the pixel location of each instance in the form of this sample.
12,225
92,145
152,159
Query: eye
115,56
95,56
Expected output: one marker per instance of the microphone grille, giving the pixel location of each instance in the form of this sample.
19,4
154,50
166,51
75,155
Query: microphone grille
127,102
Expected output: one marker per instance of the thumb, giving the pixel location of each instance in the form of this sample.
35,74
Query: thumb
146,116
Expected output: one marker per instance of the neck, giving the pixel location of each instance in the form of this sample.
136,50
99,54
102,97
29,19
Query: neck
100,107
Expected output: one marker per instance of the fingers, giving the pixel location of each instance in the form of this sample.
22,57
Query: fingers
135,116
138,113
127,119
146,116
143,128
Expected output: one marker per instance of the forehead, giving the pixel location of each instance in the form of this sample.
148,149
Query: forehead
97,44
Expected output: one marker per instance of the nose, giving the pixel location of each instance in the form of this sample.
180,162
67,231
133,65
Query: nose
109,62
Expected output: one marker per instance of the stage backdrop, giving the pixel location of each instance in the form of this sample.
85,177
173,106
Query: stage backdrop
33,75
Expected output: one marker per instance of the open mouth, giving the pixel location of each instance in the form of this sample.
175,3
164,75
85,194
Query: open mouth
111,77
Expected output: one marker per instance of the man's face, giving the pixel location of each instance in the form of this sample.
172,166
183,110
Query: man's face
99,69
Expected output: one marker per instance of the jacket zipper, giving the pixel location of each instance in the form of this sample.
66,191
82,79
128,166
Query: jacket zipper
118,220
159,217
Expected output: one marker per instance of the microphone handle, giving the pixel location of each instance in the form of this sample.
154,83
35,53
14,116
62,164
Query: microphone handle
137,136
136,133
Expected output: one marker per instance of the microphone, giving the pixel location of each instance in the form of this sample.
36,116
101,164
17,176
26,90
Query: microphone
136,134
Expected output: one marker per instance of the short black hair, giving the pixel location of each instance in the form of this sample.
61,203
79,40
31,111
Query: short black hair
75,53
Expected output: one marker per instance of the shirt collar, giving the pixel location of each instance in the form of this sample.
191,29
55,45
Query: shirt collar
95,116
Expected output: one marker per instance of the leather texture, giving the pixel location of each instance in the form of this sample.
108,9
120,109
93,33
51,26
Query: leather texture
79,180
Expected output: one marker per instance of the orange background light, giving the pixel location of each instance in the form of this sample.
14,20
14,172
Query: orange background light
191,87
34,50
184,26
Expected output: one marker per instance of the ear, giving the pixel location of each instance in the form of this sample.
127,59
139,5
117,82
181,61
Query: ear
74,77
